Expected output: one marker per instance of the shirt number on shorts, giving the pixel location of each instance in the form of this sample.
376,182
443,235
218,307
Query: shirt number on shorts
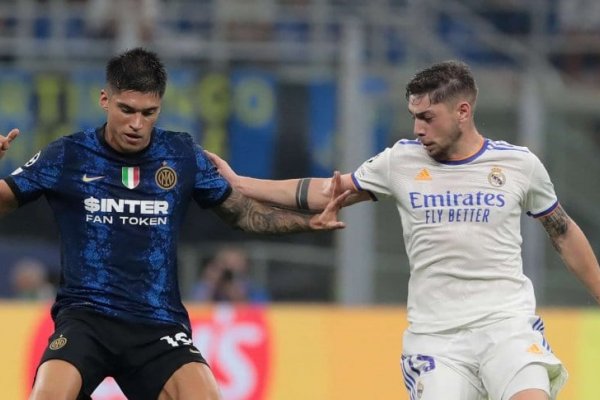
427,363
177,340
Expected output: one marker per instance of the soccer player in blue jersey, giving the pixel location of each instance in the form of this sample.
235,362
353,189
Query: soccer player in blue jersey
119,194
473,332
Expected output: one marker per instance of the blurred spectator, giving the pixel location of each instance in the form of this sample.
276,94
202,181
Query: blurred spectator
579,20
30,280
246,20
226,278
130,22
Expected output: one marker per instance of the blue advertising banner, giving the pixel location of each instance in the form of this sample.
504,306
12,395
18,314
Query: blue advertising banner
179,111
322,125
253,123
376,92
236,115
82,104
323,121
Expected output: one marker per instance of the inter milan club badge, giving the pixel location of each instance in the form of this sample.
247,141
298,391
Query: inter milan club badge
496,177
165,177
58,343
130,176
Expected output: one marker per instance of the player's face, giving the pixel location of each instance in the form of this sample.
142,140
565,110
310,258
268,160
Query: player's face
436,126
130,118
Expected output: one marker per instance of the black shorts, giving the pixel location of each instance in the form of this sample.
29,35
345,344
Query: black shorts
140,357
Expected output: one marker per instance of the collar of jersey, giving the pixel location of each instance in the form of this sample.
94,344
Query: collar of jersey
102,140
470,158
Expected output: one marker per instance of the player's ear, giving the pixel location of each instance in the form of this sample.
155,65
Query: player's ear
463,109
103,101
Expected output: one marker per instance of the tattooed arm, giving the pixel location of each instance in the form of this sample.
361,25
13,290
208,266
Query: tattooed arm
252,216
303,194
574,248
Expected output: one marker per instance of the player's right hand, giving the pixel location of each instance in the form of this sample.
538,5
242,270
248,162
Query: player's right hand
5,141
327,219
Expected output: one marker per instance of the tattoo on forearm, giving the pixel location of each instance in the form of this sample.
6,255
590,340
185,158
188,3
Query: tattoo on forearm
302,193
252,216
556,225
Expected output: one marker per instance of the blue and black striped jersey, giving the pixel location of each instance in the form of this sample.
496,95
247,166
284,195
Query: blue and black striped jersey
119,217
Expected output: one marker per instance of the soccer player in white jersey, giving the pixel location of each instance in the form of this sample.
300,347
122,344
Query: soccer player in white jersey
473,333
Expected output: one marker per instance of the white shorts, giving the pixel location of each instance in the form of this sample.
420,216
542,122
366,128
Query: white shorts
474,363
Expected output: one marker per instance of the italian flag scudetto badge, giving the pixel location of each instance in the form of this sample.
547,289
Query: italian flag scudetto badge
130,176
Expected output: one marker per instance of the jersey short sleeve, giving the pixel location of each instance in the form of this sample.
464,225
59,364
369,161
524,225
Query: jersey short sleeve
541,198
39,174
373,174
210,188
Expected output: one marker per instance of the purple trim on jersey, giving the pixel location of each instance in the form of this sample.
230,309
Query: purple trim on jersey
371,194
538,325
409,141
506,146
545,212
410,377
471,158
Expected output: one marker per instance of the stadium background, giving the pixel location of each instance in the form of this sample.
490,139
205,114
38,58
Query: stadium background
288,88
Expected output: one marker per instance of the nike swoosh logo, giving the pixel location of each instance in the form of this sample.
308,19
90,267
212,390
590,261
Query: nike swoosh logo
91,178
194,351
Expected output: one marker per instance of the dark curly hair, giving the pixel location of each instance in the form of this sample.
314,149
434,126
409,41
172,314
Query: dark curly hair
444,81
139,70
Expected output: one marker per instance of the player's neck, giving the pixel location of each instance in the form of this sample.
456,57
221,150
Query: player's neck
469,145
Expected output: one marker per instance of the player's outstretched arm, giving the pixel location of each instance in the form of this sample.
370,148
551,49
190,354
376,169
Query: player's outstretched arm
574,248
8,201
6,140
304,194
250,215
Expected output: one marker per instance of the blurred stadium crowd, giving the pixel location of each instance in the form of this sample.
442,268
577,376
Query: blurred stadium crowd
295,43
565,32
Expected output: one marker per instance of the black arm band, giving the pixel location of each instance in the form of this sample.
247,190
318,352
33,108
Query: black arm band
302,193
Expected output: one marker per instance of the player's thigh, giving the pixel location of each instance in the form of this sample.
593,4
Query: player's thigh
530,383
432,378
74,348
530,394
157,356
192,380
56,379
515,345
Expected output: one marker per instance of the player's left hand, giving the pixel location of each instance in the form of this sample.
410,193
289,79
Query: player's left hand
223,168
5,141
327,220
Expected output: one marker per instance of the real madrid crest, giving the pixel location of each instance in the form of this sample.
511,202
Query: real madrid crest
165,177
496,177
58,343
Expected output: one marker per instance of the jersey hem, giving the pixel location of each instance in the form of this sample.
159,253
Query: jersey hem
223,198
10,181
473,322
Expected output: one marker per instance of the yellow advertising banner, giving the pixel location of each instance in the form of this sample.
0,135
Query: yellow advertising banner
293,352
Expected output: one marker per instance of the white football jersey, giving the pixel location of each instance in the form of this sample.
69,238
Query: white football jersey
461,223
